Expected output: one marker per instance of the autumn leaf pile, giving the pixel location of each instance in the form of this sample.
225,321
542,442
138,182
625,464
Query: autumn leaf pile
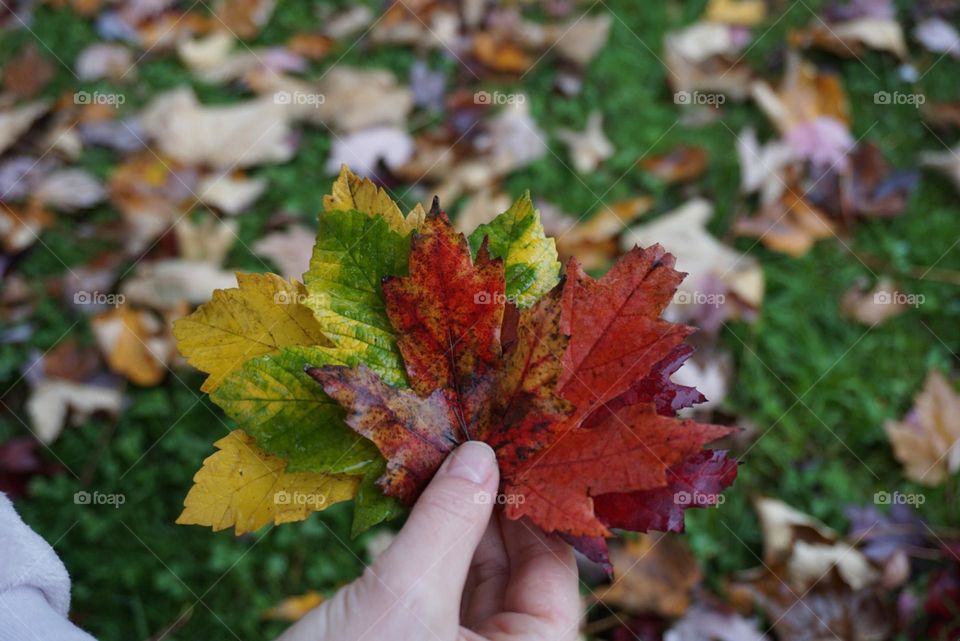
407,338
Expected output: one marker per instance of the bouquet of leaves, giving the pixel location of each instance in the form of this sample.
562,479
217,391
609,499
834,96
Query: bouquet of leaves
406,339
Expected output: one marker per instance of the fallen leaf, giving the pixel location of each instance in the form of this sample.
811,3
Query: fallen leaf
365,150
16,121
927,440
595,242
874,306
582,38
27,73
244,17
701,623
230,193
134,344
52,400
654,574
939,36
681,164
20,461
239,134
590,147
105,60
243,487
168,284
500,55
850,37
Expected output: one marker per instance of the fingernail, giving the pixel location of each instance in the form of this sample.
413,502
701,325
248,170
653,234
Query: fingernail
473,461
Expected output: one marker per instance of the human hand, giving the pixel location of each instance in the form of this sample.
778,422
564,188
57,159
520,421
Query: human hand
457,571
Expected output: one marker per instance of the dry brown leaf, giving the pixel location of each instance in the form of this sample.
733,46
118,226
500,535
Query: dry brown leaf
16,121
206,241
874,306
167,284
805,94
26,74
590,147
850,37
927,440
790,225
313,46
680,164
52,400
244,17
581,39
594,242
655,574
134,344
500,55
704,57
230,193
239,134
20,226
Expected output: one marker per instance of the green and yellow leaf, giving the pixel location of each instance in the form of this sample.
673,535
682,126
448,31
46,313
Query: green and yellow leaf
273,400
261,315
243,487
530,258
353,193
353,253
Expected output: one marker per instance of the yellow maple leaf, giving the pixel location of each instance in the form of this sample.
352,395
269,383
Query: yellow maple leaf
259,317
351,192
245,487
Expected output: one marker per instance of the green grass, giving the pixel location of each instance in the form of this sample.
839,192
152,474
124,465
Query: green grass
818,387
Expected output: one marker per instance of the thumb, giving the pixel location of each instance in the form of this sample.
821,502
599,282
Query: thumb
432,553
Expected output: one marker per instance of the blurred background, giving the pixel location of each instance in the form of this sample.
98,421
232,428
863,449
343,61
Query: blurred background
799,158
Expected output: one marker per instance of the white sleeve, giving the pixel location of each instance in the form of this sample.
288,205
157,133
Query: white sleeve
34,585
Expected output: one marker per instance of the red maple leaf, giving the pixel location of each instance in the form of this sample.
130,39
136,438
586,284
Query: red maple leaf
578,407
